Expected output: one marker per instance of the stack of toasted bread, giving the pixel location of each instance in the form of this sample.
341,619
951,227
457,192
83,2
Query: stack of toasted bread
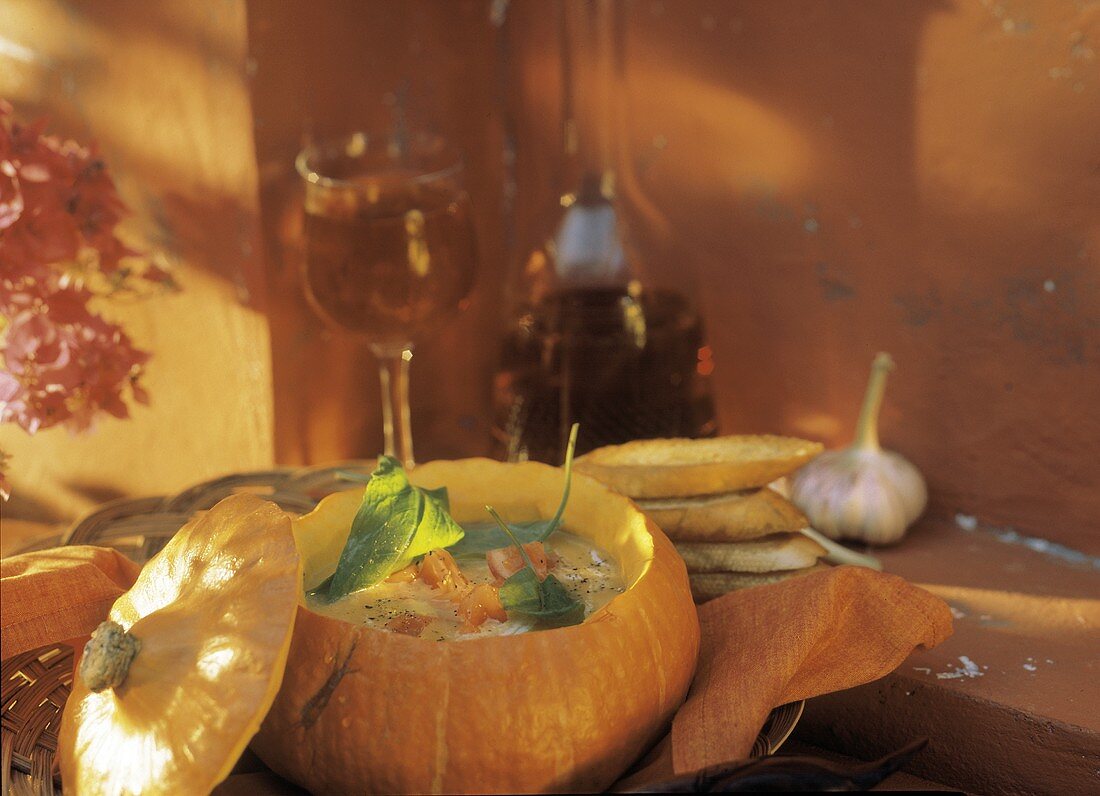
712,497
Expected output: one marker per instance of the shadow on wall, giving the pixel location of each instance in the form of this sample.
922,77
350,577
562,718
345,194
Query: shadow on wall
786,172
828,180
769,162
842,178
161,88
67,78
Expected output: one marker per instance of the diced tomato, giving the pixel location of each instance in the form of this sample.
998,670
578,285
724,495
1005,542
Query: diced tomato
406,575
440,571
480,603
408,623
507,561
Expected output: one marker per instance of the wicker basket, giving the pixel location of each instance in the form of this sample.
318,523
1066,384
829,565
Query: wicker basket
37,683
140,528
35,687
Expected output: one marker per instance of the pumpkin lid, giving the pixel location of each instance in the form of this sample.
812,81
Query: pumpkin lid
173,687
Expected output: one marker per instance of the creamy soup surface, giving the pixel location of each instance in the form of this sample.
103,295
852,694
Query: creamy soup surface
589,574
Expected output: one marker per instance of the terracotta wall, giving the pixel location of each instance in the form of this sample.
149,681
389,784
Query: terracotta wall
828,179
831,179
920,178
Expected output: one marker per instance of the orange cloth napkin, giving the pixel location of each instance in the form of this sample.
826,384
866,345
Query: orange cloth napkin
58,595
792,640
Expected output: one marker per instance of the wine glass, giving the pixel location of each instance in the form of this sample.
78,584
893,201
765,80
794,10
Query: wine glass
390,250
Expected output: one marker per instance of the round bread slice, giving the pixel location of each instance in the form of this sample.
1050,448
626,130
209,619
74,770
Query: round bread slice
663,468
708,585
776,553
731,517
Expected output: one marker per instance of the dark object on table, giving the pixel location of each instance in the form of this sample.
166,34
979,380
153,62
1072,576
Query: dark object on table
788,774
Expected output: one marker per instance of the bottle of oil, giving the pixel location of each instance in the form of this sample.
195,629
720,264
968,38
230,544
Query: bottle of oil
589,343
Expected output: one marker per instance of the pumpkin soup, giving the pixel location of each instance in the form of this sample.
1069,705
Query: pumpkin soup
447,598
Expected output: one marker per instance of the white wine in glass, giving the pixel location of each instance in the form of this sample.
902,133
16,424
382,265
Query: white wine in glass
390,253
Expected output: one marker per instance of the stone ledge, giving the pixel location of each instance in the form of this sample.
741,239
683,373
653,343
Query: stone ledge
1009,702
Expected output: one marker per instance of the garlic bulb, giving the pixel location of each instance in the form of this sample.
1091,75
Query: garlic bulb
862,492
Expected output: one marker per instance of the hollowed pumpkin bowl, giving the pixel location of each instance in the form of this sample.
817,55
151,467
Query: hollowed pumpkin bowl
567,709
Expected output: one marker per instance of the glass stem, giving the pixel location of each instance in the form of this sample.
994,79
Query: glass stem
393,374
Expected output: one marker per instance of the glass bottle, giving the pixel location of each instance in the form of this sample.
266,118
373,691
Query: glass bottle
591,344
591,338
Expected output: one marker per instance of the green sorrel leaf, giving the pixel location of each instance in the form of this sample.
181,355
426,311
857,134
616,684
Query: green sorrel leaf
546,602
555,521
441,496
481,537
395,523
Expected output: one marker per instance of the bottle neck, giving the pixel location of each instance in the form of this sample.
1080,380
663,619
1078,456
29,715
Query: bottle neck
591,107
588,244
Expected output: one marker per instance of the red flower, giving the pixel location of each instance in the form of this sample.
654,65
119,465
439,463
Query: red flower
62,363
44,234
65,367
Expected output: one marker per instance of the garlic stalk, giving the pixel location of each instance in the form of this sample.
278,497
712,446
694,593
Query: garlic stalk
862,492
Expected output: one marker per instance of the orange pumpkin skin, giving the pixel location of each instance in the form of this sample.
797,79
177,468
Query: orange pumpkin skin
569,709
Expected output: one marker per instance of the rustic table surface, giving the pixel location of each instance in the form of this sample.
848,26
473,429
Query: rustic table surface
1020,668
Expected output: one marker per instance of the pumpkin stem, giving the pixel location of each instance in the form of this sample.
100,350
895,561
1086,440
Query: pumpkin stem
107,657
867,425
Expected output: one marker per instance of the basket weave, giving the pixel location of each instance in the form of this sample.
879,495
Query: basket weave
37,683
140,528
34,689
